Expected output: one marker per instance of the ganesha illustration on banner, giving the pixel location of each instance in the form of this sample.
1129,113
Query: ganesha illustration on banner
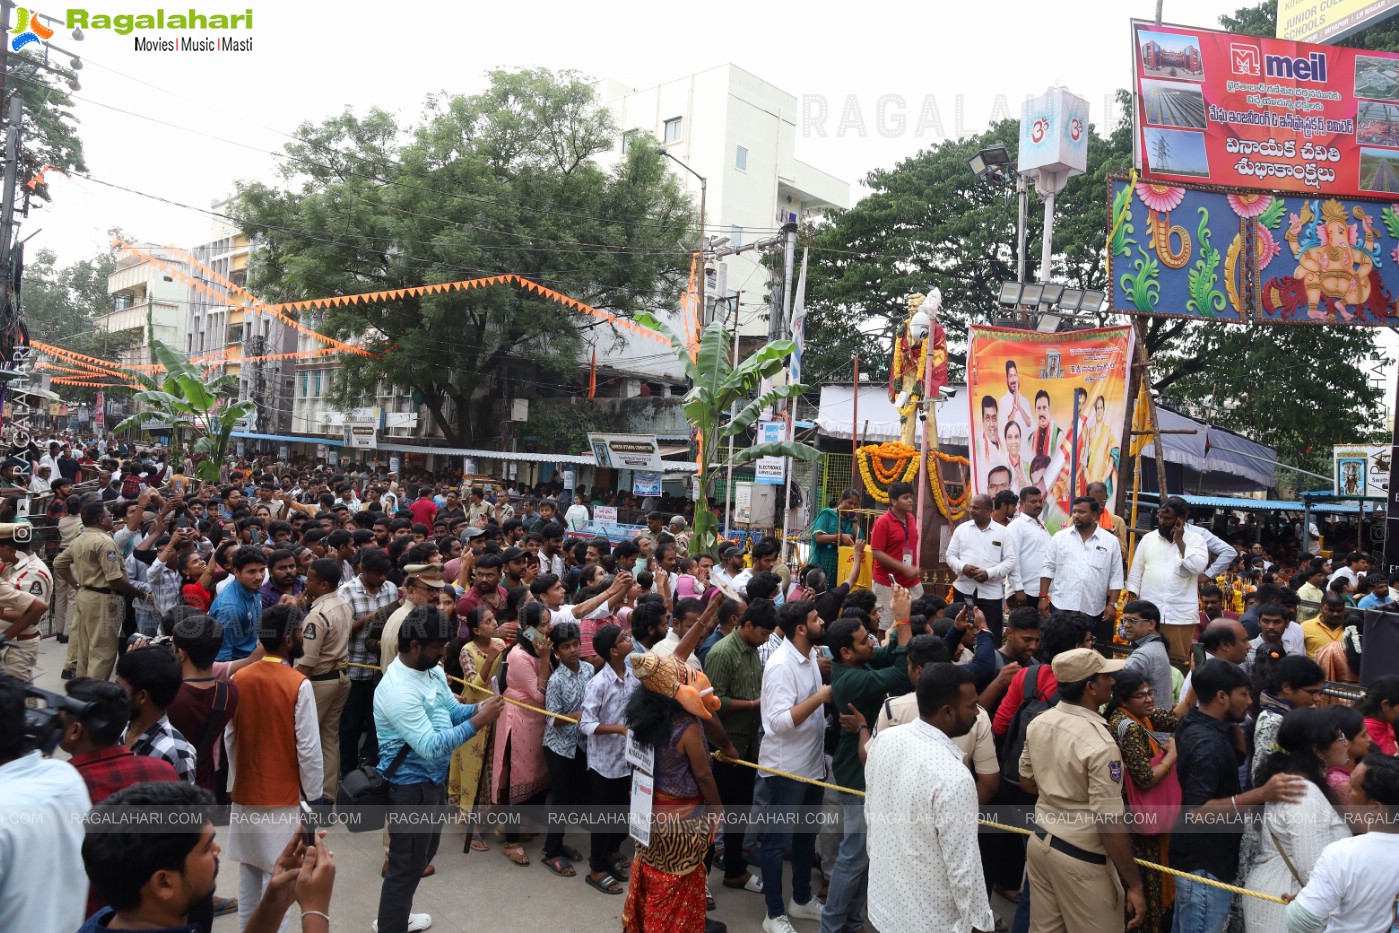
1335,278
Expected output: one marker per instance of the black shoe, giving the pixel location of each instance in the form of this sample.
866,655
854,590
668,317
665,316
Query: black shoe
715,926
69,674
62,639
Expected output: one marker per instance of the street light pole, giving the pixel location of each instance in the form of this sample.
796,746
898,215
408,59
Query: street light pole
703,242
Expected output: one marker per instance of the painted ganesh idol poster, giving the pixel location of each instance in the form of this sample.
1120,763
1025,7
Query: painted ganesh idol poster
1253,257
1022,390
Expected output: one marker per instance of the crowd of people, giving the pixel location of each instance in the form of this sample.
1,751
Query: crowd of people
256,643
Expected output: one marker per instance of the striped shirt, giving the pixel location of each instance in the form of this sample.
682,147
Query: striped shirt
362,603
163,740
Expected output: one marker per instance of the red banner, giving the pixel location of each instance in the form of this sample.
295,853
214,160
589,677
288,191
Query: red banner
1246,112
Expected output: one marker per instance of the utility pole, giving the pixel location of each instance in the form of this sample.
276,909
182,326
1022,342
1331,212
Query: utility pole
784,329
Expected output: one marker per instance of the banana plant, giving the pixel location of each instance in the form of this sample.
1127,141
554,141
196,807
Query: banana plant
715,386
181,399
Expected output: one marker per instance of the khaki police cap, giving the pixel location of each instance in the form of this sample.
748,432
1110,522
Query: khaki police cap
1082,663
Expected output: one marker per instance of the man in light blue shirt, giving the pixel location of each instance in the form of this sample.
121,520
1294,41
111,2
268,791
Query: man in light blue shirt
1379,591
415,710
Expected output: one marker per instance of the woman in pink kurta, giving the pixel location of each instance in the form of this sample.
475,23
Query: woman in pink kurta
519,774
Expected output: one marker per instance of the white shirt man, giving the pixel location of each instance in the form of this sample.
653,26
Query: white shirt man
1029,540
981,548
1166,573
790,677
1221,552
920,879
1082,567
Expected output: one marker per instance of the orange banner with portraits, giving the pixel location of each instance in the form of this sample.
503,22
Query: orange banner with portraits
1022,388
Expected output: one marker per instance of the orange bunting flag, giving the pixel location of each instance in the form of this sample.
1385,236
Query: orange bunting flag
592,376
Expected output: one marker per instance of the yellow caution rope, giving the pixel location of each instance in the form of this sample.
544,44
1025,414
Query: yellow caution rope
719,756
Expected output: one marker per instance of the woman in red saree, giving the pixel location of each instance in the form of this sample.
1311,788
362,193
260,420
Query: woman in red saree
666,894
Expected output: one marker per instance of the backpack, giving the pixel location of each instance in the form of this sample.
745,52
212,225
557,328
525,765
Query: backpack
1031,705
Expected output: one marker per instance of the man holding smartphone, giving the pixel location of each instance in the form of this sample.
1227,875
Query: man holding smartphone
981,555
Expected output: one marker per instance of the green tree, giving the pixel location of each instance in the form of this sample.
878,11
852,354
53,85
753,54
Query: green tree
50,129
929,222
503,181
715,385
61,305
182,400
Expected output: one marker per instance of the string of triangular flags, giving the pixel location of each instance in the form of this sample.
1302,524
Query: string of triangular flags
223,297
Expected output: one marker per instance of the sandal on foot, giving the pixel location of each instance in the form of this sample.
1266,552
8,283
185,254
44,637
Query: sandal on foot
621,871
708,899
516,854
606,884
573,855
479,844
560,866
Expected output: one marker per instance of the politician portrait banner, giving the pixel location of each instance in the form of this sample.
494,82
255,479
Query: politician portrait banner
1022,387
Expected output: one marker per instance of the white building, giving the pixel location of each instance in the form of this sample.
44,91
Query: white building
146,298
228,330
740,133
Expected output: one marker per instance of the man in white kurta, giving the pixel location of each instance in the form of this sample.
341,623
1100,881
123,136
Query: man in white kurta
920,804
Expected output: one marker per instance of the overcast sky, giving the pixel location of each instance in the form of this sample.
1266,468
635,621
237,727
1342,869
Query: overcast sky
310,60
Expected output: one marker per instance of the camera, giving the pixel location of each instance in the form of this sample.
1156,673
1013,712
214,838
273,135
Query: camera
43,726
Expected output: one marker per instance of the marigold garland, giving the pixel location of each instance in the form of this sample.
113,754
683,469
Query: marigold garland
954,509
877,477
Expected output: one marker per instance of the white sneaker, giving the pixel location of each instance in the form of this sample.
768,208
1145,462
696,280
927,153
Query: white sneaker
811,910
416,923
778,925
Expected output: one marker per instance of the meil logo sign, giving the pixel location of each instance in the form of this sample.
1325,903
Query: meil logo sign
1311,68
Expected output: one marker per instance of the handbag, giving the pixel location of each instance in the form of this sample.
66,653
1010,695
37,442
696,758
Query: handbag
1157,807
367,790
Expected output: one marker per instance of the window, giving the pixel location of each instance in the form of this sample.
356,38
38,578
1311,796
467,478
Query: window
741,159
735,236
316,384
672,130
305,381
628,138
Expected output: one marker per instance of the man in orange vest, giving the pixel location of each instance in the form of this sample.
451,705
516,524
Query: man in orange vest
274,755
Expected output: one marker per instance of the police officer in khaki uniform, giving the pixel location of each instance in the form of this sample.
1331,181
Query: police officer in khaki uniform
26,573
20,609
1081,854
325,640
93,566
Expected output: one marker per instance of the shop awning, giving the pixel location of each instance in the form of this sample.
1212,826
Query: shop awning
1243,504
289,439
519,456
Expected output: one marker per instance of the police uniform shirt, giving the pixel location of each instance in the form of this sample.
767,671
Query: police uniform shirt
13,603
30,575
94,560
325,635
1078,768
